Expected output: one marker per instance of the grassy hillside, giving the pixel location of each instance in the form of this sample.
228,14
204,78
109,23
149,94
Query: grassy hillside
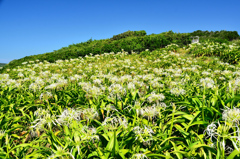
148,105
129,41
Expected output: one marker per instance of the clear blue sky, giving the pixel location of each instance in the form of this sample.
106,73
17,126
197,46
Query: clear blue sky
29,27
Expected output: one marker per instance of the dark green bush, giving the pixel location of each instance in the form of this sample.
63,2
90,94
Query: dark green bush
129,34
222,36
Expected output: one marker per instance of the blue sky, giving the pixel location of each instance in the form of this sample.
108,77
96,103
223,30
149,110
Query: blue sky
29,27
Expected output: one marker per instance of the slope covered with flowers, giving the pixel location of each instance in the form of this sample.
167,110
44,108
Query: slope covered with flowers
150,105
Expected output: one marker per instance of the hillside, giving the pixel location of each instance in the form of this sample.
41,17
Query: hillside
129,41
169,102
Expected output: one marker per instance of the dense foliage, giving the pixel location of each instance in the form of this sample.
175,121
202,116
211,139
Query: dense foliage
156,104
222,36
130,41
227,53
129,34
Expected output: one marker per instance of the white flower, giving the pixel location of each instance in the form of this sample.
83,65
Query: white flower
114,122
231,115
67,116
143,134
89,113
131,85
150,112
206,73
155,97
4,77
139,156
207,82
45,120
177,91
45,95
20,74
52,86
93,92
211,131
97,81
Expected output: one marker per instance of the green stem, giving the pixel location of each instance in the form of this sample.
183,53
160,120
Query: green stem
203,104
174,108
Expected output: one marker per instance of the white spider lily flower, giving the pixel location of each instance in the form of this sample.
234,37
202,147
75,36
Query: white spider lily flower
131,85
226,72
52,86
34,87
206,73
149,112
85,86
211,131
139,156
97,81
20,74
45,96
67,116
207,82
231,115
155,97
62,82
177,91
114,122
125,78
4,77
24,63
116,88
39,81
160,106
93,92
222,78
89,113
143,133
156,84
148,131
46,119
137,130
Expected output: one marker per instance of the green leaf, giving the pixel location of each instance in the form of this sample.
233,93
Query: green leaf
198,123
155,155
177,149
112,145
202,146
180,129
233,154
93,154
122,152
